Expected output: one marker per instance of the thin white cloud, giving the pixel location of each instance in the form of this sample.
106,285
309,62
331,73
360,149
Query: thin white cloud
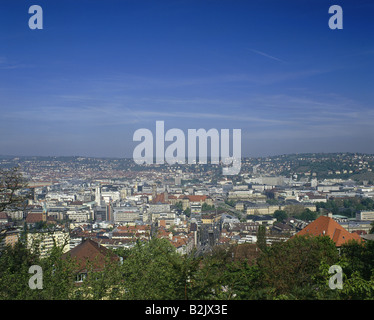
212,116
267,55
5,64
293,111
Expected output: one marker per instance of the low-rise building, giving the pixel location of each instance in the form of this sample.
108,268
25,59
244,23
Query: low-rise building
9,238
327,226
90,257
365,215
79,215
262,219
210,218
126,214
261,208
34,217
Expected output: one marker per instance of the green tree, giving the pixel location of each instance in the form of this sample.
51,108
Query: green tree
242,281
358,257
357,288
294,210
287,267
372,227
272,201
308,215
153,270
261,237
187,212
14,266
280,215
208,280
102,284
231,280
58,276
206,207
231,203
179,206
220,276
58,282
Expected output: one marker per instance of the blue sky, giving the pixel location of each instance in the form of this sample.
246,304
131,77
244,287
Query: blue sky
99,70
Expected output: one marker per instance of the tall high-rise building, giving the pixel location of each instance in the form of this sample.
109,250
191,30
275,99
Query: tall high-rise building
98,196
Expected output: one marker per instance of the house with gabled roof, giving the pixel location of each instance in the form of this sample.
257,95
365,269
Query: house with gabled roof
327,226
90,256
34,217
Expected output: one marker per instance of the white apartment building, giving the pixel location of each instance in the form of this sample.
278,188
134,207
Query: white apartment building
60,196
163,216
79,215
159,207
126,214
46,240
365,216
111,196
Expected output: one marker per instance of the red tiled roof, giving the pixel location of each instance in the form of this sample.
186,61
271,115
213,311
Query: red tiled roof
329,227
194,198
91,251
133,229
123,234
160,198
33,217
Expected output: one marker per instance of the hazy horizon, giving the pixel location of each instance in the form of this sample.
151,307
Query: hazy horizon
130,158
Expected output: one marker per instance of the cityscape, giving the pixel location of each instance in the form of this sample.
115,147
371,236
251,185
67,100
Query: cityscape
187,156
77,202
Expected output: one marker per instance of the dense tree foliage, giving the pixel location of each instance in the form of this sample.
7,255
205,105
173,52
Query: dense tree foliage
206,207
294,269
280,215
261,237
295,211
346,207
290,266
